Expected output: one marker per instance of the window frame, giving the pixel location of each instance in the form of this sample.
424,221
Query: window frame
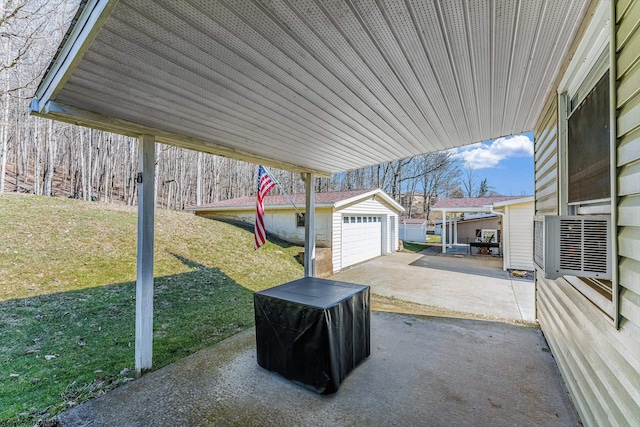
593,58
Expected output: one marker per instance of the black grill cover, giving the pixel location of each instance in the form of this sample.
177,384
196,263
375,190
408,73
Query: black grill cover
313,331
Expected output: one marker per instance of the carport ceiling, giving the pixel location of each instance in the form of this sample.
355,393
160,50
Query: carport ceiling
311,85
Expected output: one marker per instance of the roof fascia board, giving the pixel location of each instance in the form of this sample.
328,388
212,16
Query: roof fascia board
252,208
469,209
368,195
514,201
89,23
586,20
355,199
592,43
78,116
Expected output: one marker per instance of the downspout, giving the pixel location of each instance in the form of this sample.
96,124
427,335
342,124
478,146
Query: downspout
504,258
613,150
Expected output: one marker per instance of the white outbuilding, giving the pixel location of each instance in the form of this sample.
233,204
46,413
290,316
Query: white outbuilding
413,230
356,225
514,229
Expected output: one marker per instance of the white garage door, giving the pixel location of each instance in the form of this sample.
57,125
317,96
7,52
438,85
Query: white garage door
361,238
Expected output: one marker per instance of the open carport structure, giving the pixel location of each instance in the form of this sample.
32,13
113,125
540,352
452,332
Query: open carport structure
322,86
515,225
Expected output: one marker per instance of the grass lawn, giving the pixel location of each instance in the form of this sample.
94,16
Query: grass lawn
67,296
417,247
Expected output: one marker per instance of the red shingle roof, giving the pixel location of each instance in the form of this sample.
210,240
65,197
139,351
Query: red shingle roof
471,202
279,200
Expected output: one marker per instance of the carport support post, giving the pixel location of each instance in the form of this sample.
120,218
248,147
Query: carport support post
144,271
309,226
455,230
443,232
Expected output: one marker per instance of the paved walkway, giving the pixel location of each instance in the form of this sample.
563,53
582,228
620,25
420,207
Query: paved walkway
472,284
423,371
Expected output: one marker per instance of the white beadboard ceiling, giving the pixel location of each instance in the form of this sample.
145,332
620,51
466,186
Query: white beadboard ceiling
311,85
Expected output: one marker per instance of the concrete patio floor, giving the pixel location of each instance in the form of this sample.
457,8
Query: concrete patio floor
470,284
423,371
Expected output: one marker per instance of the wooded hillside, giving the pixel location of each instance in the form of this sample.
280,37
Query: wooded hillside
49,158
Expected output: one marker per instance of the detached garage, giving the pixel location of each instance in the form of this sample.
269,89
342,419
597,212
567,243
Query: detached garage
355,225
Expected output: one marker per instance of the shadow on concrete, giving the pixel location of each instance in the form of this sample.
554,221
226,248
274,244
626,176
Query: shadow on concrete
423,371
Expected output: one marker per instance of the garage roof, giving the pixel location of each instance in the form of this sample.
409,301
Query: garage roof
334,199
310,85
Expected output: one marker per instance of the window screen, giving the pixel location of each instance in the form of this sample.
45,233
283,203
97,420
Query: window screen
588,145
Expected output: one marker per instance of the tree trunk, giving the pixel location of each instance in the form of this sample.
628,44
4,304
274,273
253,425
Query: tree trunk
199,180
47,185
4,144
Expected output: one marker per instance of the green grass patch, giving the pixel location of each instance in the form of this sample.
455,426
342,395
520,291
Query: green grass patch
414,246
67,296
432,238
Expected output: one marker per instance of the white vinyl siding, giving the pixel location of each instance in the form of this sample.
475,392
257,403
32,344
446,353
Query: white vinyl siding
519,236
628,191
546,162
413,232
370,207
281,223
628,161
599,363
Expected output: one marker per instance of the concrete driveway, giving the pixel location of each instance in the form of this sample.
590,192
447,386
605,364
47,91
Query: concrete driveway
456,282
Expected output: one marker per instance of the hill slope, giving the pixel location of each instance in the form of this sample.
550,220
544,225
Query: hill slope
67,295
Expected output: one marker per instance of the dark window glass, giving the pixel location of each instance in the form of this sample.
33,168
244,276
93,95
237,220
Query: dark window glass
588,145
300,220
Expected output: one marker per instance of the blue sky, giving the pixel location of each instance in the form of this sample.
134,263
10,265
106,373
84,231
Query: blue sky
507,163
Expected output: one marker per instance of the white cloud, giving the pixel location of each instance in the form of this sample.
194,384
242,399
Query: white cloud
489,155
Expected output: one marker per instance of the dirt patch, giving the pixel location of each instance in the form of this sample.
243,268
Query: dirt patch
395,305
521,275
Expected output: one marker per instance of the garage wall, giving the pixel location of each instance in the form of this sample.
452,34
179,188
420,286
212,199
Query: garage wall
366,207
282,223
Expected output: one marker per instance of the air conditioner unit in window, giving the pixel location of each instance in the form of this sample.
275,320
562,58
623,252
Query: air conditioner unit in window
573,246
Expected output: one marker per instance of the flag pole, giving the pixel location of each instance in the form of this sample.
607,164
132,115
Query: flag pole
282,189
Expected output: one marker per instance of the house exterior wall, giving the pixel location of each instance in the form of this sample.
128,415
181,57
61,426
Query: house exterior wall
282,223
368,207
599,362
518,236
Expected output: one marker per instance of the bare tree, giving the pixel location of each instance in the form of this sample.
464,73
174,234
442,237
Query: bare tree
469,181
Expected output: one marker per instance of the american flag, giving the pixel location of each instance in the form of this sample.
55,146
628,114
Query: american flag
265,184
